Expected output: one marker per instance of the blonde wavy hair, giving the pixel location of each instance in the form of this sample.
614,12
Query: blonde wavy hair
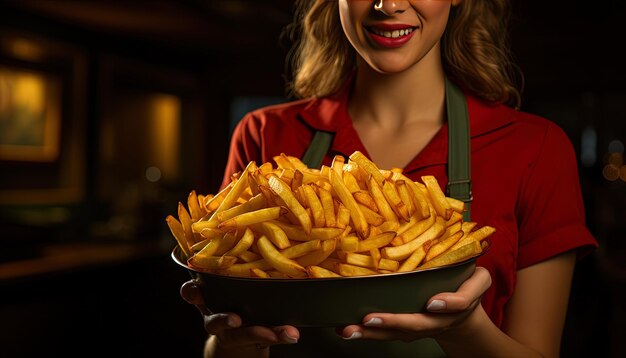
475,51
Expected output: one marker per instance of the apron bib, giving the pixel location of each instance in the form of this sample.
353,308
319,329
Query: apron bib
324,341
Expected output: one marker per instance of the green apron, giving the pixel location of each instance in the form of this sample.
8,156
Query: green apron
324,341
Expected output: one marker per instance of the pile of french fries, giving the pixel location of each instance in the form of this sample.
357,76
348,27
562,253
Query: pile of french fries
349,219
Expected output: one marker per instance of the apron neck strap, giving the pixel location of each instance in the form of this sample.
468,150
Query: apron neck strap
315,153
459,163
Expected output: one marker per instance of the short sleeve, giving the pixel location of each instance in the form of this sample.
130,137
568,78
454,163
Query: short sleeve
245,146
550,208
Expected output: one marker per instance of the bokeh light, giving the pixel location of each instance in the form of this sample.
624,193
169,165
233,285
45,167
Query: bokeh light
616,159
611,172
616,146
153,174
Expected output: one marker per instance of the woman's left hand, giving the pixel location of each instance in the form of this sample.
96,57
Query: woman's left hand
446,311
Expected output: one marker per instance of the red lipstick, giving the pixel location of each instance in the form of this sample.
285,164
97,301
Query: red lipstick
390,35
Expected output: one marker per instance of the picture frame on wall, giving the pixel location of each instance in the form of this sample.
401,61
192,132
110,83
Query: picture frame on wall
42,121
30,115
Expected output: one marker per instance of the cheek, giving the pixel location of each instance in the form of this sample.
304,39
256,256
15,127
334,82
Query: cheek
351,14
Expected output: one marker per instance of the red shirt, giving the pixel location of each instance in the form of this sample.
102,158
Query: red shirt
523,167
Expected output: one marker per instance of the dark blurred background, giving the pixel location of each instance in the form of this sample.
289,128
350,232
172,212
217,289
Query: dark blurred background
124,107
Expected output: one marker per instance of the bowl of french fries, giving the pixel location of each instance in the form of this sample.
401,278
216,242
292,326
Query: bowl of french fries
288,244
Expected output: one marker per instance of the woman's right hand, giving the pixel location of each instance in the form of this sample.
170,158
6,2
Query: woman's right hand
229,336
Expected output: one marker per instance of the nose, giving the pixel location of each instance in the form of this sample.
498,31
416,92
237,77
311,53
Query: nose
389,7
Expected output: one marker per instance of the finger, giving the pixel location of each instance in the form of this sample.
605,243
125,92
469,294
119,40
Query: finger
252,336
287,334
355,332
191,292
219,322
465,298
405,327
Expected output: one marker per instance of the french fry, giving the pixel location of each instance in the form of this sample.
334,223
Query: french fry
368,166
277,260
274,232
349,219
456,205
375,242
315,204
186,222
370,262
249,256
476,235
210,233
177,231
212,203
329,208
384,208
298,179
351,183
363,197
439,201
421,202
252,217
296,233
212,262
243,269
371,216
454,256
257,272
283,161
405,196
255,203
358,219
337,164
199,245
416,230
320,272
442,245
352,270
243,244
405,250
226,243
193,204
398,207
349,243
302,249
316,257
283,191
414,260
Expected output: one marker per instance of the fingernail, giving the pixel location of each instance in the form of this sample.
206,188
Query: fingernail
354,335
436,305
230,321
287,338
373,322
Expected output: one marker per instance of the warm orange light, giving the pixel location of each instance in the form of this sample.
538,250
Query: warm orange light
616,159
611,172
30,108
622,173
165,134
25,49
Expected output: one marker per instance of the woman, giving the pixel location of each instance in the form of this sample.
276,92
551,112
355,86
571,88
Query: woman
373,74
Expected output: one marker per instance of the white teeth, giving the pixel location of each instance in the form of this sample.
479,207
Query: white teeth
392,34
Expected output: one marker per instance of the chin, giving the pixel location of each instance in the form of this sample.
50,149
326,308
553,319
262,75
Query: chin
389,68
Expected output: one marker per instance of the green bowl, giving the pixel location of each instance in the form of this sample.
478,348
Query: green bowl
317,306
326,302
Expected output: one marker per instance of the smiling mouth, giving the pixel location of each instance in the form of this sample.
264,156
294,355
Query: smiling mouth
394,34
